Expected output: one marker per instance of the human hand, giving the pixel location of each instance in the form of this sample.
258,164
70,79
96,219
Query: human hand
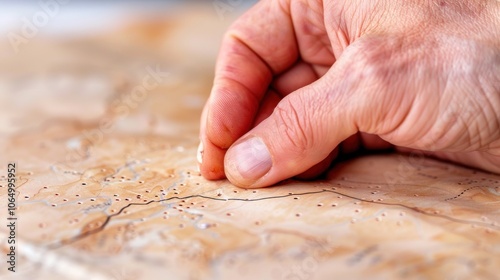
297,80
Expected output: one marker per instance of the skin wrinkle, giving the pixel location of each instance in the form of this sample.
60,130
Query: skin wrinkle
492,127
292,127
493,148
479,124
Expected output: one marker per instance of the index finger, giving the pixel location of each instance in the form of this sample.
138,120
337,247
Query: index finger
258,46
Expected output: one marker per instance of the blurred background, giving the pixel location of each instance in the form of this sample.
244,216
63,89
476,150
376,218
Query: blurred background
82,61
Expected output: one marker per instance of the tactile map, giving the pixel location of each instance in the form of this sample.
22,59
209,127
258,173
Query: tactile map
103,131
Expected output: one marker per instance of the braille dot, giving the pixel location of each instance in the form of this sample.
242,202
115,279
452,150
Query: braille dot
84,184
297,215
319,204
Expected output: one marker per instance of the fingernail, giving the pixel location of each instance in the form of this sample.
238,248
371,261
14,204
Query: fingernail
251,159
199,154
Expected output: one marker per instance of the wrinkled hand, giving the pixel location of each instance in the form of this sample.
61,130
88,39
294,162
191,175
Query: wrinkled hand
297,81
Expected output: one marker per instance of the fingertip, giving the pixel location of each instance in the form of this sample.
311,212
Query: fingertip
211,161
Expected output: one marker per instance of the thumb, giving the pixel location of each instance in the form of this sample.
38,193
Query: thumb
355,95
299,134
302,130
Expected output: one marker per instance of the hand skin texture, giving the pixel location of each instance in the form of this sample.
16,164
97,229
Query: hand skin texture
297,81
